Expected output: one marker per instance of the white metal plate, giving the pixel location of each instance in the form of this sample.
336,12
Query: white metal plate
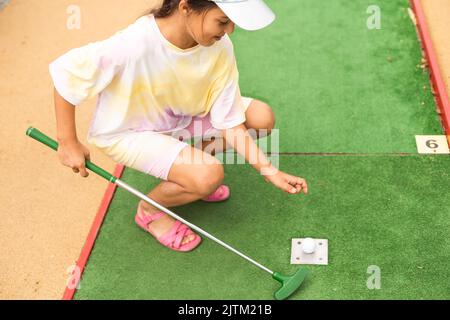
319,256
432,145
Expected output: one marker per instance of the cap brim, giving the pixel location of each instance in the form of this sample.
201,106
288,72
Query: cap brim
247,14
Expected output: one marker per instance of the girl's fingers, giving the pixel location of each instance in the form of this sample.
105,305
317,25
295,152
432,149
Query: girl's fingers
299,184
286,187
84,172
291,184
302,183
305,186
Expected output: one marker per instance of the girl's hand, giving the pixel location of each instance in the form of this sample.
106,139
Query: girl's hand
73,154
287,182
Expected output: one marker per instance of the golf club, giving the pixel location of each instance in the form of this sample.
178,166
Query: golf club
289,284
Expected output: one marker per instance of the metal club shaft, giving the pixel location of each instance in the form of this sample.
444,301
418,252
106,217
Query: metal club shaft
139,194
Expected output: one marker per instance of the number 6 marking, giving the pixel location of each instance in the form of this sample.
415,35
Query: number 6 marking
432,144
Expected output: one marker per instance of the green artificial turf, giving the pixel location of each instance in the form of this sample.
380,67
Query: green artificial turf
335,85
389,211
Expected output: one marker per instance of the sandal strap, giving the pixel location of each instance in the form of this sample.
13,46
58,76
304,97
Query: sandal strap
219,190
175,236
172,238
181,233
218,193
147,219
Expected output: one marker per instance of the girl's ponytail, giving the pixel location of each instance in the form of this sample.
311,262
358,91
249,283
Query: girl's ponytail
169,6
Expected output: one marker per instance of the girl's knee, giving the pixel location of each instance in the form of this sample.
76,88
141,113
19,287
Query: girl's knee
260,119
208,179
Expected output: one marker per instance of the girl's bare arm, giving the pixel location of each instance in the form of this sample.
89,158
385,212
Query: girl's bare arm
65,119
71,152
239,138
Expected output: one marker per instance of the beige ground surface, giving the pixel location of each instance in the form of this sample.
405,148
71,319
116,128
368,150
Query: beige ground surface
437,13
46,210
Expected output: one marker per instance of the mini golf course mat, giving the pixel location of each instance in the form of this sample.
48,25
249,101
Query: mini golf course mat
334,84
388,211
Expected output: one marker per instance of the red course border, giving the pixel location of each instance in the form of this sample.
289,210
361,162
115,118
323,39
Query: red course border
93,233
435,73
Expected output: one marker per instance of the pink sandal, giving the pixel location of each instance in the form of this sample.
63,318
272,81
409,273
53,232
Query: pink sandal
221,194
174,237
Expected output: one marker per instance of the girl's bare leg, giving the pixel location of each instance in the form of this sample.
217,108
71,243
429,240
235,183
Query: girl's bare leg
259,117
189,180
194,175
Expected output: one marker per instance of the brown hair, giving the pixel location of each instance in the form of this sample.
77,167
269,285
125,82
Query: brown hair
168,7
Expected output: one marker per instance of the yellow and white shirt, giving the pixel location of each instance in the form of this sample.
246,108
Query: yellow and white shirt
145,83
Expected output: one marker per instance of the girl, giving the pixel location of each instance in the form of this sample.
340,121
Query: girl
171,74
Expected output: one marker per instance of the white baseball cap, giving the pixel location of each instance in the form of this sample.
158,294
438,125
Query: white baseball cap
247,14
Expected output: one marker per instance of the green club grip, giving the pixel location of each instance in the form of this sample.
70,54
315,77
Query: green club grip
41,137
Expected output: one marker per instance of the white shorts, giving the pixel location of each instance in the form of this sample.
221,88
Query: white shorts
154,153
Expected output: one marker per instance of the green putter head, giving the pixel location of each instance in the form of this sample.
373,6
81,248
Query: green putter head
289,284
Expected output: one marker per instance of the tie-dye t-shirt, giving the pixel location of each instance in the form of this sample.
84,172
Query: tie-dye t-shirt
145,83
